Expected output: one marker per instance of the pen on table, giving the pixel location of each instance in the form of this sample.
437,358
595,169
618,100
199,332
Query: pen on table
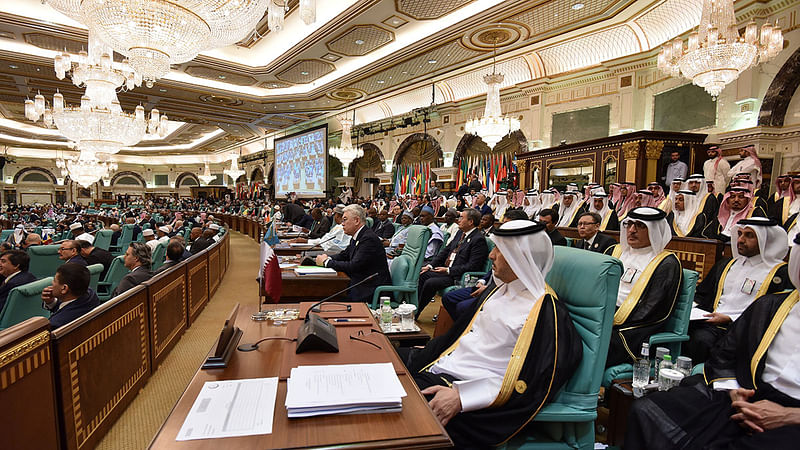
349,320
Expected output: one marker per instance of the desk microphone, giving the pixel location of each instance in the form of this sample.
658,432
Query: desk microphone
317,333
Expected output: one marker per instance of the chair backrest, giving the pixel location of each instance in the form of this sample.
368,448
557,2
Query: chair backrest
678,321
158,256
488,266
591,307
44,260
416,243
24,302
94,273
102,239
126,237
369,222
5,234
396,227
116,271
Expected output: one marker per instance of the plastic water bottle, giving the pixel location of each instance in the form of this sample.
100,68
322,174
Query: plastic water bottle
660,353
666,363
386,315
641,370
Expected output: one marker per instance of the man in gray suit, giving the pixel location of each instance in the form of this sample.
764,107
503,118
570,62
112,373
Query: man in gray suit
137,260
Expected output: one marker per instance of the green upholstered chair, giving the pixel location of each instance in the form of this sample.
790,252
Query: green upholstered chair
94,273
158,256
396,227
24,302
124,240
370,222
44,260
116,271
5,234
675,331
405,268
567,421
102,239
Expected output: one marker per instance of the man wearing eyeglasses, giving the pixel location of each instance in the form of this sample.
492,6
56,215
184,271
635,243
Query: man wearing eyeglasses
648,289
69,252
591,237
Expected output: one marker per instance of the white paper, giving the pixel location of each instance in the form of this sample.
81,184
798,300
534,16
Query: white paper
346,388
287,265
313,270
231,408
300,244
697,313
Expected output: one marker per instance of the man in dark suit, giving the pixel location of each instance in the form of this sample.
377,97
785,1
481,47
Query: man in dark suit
383,227
137,260
14,268
591,237
69,297
175,251
549,218
320,226
204,241
481,206
363,257
69,252
474,184
96,255
467,252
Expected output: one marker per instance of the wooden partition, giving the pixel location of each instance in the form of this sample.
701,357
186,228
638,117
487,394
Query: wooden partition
166,295
103,361
27,387
695,254
197,284
213,270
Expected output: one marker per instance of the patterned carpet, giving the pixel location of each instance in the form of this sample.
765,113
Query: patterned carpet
141,421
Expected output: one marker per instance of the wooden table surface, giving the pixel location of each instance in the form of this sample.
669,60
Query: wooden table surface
300,288
414,427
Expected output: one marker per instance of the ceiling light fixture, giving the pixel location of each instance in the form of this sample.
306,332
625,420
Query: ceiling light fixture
493,126
206,178
153,34
716,54
234,172
359,42
345,151
578,6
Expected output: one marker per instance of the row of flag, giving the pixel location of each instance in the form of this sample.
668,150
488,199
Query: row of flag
249,191
490,169
412,178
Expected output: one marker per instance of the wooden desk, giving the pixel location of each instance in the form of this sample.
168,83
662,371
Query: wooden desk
301,288
414,427
284,249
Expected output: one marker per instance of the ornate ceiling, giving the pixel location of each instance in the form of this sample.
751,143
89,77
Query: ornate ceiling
359,52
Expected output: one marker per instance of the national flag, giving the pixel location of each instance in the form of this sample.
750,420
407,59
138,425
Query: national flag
269,274
270,237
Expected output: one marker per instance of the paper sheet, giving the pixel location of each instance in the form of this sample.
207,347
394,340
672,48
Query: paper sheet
343,385
311,270
231,408
697,313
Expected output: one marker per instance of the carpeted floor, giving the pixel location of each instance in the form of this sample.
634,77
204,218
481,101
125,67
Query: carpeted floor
140,422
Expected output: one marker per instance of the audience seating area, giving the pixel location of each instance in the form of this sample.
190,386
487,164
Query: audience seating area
40,368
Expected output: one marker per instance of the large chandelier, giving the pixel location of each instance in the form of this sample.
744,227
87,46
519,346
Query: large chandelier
87,169
345,152
153,34
716,54
234,172
493,126
98,125
206,177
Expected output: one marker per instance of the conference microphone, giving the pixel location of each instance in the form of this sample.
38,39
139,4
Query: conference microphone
316,306
317,333
320,244
307,261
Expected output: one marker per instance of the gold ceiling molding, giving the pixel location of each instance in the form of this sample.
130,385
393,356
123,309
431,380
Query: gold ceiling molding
346,95
305,71
7,35
428,9
331,57
220,75
360,40
53,42
494,35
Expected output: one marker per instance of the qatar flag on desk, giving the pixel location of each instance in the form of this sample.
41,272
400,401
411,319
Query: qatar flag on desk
269,274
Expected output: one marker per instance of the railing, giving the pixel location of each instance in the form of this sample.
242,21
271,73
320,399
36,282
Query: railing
66,388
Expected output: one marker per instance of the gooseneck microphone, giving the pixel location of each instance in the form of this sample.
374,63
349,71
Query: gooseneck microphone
317,333
316,306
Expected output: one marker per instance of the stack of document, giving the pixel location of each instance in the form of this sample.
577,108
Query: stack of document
313,270
343,389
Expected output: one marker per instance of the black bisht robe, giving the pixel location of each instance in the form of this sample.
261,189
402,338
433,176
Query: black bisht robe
698,228
694,415
650,313
555,340
703,336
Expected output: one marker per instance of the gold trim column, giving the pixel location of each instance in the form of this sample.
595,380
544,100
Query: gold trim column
630,151
522,166
652,153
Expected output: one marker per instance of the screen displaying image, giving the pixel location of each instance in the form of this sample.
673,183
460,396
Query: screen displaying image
300,163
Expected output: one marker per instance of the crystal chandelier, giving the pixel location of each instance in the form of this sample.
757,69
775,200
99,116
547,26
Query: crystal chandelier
87,169
234,172
308,11
493,126
153,34
345,152
98,126
275,15
716,54
206,177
